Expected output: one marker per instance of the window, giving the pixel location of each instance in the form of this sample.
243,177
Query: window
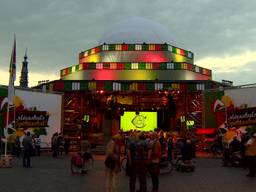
158,86
75,85
85,53
73,69
169,48
135,65
99,66
116,86
170,65
105,47
138,47
148,65
152,47
190,55
113,66
118,47
200,86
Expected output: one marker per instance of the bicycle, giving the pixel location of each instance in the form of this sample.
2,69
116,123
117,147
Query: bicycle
166,166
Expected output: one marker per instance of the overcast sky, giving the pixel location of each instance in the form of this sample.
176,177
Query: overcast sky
220,33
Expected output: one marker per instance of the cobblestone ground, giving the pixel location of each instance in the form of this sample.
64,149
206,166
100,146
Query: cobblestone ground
54,175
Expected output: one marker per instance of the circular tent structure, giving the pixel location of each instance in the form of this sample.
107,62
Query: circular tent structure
135,67
136,49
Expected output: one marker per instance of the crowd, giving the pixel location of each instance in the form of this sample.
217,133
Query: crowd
241,152
31,145
144,153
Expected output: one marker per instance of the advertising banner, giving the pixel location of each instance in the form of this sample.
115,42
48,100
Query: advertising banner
26,119
241,117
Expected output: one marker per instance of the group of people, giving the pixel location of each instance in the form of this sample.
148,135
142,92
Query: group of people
59,144
31,147
246,149
35,146
144,152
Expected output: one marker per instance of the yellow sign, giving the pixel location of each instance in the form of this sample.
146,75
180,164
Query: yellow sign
86,118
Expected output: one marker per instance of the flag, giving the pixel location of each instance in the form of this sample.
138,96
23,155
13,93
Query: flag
12,74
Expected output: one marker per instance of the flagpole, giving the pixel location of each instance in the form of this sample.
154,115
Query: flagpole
6,129
12,77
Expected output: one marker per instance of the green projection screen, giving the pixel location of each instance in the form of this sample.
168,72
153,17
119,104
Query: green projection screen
141,121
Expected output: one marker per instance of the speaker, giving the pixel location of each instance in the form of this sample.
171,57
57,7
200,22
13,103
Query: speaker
171,107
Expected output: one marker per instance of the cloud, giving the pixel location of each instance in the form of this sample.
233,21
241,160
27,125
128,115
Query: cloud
55,31
33,78
228,63
238,68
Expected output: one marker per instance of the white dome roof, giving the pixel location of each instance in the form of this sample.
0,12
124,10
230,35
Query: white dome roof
136,30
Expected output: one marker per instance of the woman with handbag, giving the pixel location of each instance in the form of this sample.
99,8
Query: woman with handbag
112,163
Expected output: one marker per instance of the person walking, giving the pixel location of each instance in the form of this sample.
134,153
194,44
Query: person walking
85,147
17,148
137,158
66,144
154,156
54,145
60,144
169,147
27,145
38,145
250,153
112,163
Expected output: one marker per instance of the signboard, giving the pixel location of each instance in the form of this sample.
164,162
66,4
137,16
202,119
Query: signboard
26,119
241,117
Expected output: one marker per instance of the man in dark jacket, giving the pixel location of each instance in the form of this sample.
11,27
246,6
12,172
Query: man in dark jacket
27,145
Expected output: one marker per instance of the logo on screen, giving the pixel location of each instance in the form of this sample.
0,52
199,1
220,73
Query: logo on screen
139,121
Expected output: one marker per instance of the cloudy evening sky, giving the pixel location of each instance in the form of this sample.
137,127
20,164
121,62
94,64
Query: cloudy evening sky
220,33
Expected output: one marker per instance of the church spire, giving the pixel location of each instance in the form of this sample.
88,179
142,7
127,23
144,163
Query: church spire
24,72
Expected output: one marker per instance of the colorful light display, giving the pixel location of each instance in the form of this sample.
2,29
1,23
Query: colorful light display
136,62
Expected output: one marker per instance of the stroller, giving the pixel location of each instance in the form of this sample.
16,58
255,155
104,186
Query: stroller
77,164
186,166
185,162
233,159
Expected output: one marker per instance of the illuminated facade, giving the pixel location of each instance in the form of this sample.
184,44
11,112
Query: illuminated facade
136,62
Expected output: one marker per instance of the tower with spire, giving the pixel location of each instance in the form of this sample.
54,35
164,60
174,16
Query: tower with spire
24,72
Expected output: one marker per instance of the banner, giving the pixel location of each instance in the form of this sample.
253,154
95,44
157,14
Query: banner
27,119
241,117
213,116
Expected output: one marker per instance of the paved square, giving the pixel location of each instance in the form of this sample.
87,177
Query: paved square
54,175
